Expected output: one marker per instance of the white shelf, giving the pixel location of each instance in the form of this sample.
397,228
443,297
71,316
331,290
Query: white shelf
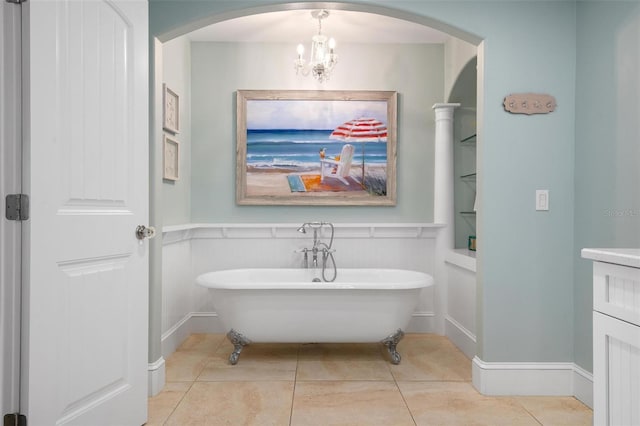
462,258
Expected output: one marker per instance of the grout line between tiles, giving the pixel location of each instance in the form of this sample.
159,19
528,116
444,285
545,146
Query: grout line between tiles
295,382
528,412
395,381
178,403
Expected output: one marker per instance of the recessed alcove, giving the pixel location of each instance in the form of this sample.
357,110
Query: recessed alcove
418,62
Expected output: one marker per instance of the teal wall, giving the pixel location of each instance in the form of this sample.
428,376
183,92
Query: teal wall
526,273
415,71
176,73
525,256
607,154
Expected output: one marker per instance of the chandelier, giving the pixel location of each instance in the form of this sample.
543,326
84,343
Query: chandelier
323,58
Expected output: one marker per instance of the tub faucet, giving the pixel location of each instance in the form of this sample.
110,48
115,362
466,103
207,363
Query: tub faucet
316,226
318,247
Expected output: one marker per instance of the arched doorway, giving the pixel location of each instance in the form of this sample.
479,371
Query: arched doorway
196,23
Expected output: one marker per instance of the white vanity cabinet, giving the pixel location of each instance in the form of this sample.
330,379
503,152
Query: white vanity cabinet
616,335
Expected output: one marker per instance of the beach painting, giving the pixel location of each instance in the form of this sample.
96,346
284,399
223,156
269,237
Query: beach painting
316,147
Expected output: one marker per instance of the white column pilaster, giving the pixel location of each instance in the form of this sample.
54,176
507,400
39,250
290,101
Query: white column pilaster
443,173
443,204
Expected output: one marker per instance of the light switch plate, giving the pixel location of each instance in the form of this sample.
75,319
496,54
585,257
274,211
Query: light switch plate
542,199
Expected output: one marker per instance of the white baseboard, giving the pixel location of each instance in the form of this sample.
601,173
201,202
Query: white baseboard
516,378
206,322
542,379
460,336
156,377
193,322
422,322
583,385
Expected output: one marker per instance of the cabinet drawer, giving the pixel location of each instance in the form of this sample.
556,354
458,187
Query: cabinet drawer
616,291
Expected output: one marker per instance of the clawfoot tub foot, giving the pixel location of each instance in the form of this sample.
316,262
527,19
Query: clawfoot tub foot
239,342
391,342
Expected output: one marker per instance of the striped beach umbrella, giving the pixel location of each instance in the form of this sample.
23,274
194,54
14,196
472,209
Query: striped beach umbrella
361,130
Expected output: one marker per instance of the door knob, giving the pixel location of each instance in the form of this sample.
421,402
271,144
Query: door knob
143,232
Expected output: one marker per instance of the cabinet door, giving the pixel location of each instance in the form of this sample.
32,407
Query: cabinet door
616,371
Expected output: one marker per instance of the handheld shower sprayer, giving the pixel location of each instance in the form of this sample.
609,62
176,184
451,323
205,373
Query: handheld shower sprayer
319,247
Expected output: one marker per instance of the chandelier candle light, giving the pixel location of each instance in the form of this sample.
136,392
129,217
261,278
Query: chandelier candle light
323,57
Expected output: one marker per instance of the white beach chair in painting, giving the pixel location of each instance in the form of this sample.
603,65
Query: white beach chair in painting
338,169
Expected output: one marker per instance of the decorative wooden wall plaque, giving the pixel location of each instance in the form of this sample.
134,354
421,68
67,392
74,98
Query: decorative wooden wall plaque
529,103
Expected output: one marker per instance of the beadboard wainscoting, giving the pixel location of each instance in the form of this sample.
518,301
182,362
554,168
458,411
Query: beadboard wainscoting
460,319
192,249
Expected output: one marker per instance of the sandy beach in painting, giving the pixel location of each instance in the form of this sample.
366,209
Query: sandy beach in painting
273,181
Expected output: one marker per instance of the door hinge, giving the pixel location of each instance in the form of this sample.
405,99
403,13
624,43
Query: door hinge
17,207
15,419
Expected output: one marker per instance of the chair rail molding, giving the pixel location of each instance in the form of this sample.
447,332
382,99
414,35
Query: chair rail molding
177,233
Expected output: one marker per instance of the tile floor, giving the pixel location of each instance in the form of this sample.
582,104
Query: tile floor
339,384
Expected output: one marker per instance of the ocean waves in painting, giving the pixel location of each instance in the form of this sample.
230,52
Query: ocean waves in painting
299,149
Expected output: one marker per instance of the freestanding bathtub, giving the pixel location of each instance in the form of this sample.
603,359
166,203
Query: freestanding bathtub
285,306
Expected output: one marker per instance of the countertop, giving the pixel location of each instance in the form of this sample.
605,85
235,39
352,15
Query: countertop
619,256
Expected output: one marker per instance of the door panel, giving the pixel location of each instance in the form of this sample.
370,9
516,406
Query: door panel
86,333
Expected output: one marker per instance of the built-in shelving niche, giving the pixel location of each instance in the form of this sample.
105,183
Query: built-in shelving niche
464,92
465,172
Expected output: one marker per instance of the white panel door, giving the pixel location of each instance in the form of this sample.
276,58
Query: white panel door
86,171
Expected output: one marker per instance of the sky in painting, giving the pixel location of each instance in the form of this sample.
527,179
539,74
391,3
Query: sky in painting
310,115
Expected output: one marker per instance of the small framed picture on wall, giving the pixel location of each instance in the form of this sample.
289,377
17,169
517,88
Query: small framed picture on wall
170,110
171,159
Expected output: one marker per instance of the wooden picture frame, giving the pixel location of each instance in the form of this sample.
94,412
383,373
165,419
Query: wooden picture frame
170,110
170,159
291,147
